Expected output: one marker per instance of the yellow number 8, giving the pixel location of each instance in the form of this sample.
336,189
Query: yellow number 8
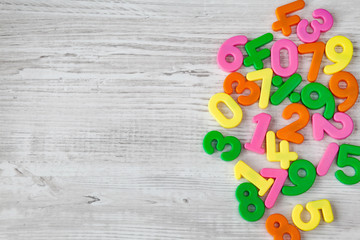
219,116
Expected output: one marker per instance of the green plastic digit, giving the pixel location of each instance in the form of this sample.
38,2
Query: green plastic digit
325,98
247,194
345,161
256,57
220,145
302,184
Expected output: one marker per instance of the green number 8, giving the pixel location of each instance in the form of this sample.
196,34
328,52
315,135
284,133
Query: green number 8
247,195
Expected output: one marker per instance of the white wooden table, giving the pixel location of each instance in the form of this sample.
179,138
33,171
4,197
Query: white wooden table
103,108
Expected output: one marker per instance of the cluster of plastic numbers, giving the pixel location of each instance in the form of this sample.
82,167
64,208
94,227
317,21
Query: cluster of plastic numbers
251,206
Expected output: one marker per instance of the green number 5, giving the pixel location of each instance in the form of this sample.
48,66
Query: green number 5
345,161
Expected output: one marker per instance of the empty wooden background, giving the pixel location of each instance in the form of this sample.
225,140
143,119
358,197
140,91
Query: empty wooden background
103,108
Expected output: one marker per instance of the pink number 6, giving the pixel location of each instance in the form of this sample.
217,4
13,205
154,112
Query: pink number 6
315,25
293,57
228,48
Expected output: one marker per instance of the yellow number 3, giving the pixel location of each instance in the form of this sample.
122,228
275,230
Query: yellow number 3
314,208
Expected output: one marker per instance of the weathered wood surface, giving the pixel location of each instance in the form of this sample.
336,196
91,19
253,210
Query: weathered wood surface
103,107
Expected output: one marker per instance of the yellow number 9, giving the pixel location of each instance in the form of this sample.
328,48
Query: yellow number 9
341,59
219,116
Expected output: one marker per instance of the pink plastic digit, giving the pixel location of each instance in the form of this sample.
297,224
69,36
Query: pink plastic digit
293,57
321,125
228,48
280,176
315,25
263,121
327,159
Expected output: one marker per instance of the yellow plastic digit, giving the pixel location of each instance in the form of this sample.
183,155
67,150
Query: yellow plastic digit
342,59
284,156
219,116
266,76
241,169
314,208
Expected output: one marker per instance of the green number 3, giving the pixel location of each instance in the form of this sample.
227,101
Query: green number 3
345,161
247,195
220,145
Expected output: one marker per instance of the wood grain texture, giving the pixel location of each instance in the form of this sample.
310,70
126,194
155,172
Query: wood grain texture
103,108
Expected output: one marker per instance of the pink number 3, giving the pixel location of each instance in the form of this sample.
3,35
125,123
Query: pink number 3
316,26
228,48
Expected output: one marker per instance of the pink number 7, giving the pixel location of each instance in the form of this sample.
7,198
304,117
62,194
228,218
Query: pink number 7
280,176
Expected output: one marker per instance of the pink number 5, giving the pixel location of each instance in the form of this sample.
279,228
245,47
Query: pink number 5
280,176
316,26
228,48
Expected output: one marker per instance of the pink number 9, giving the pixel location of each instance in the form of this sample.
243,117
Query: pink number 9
293,57
315,25
228,48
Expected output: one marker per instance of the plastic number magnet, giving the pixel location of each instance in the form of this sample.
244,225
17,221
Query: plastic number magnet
315,25
263,122
221,141
345,161
229,48
318,48
283,227
342,59
231,104
284,22
256,57
314,208
293,57
280,176
327,159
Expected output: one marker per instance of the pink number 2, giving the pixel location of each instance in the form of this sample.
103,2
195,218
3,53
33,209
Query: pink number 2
321,125
280,176
316,26
228,48
263,121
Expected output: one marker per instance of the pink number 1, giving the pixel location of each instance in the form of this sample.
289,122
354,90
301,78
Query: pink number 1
280,176
263,121
328,157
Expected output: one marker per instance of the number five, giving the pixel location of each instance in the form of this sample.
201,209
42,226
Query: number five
313,208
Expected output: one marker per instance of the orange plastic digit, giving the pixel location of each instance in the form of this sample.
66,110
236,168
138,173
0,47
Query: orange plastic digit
289,132
350,92
242,84
284,22
283,227
318,48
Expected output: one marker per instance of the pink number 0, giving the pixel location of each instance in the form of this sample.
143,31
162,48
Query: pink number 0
316,26
293,57
321,125
228,48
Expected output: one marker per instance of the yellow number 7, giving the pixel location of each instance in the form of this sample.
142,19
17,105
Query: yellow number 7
266,76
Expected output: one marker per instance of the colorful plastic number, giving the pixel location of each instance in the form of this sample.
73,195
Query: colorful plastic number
219,116
325,98
345,161
280,176
265,75
289,132
256,57
284,23
293,57
286,89
221,141
318,48
314,208
283,227
246,194
241,169
242,84
229,48
321,125
301,184
350,92
263,122
327,159
341,59
315,25
284,156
